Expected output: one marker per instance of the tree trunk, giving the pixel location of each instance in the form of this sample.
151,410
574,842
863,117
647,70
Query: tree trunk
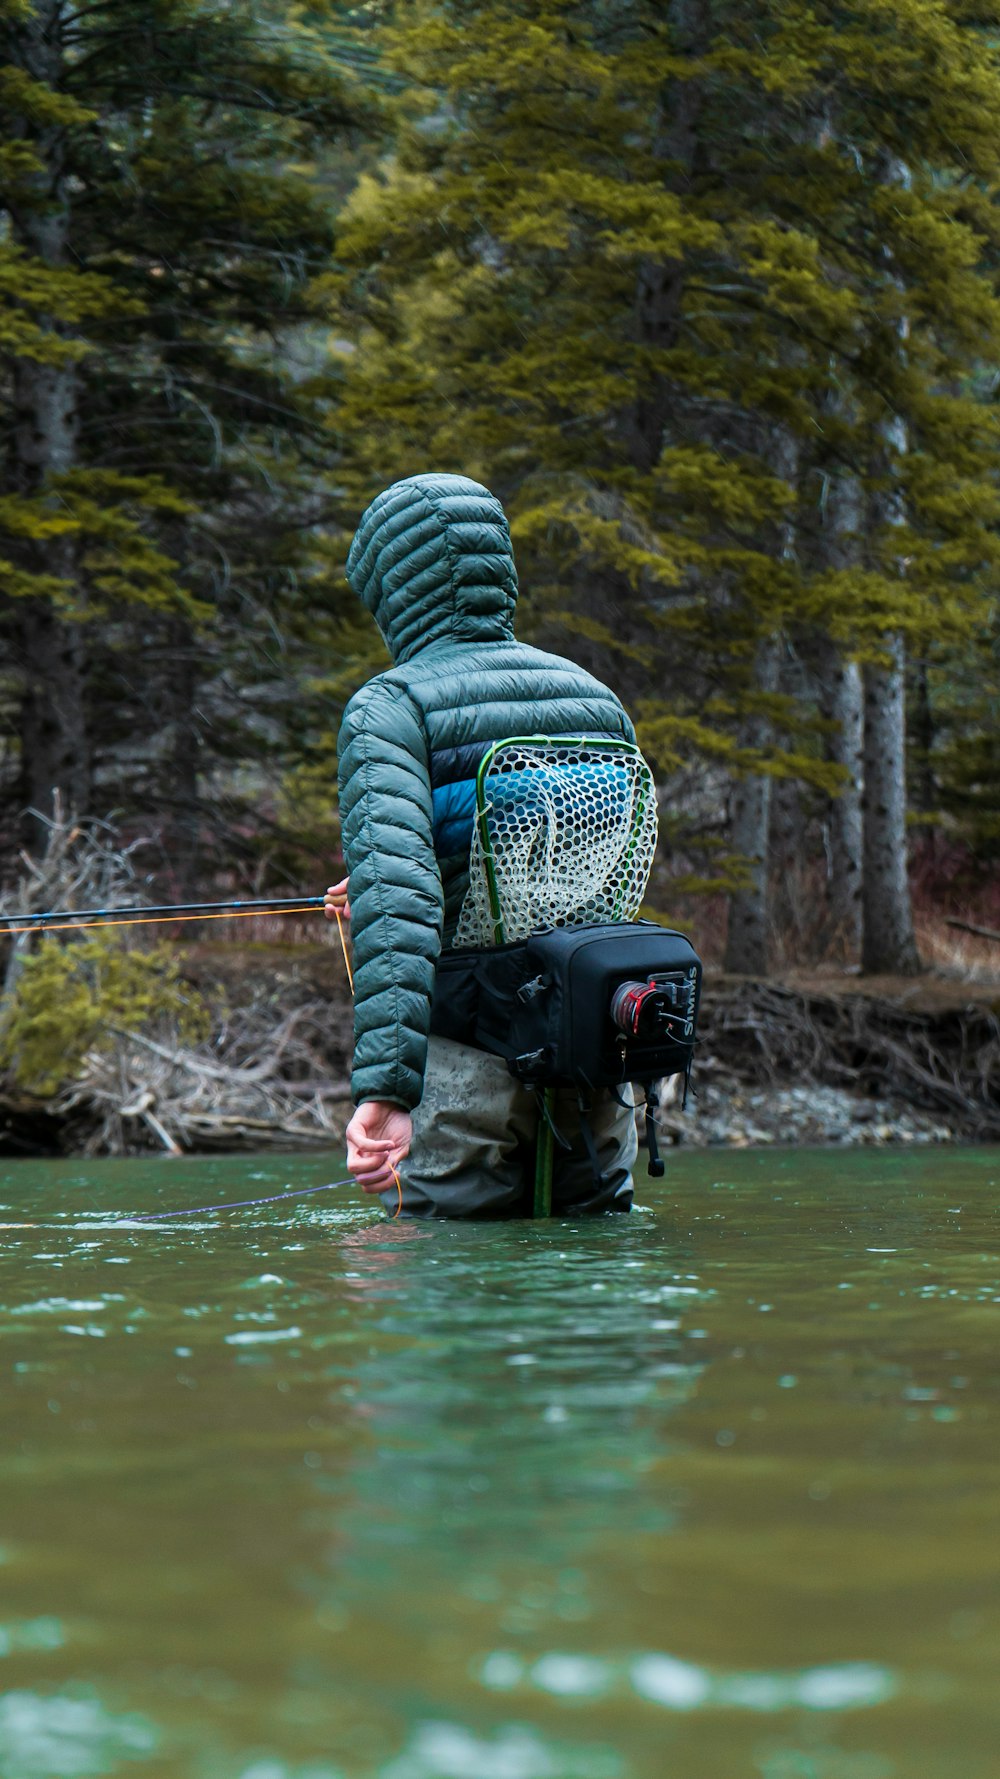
923,734
185,757
888,941
748,936
842,702
748,940
792,913
839,547
660,285
54,752
54,748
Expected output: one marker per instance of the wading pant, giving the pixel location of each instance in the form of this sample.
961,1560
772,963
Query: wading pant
474,1133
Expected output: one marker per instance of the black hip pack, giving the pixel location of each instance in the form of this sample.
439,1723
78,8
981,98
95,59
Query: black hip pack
582,1007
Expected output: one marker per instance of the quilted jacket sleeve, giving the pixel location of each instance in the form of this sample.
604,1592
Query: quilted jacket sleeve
396,895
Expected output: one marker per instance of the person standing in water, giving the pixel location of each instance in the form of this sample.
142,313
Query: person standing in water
432,562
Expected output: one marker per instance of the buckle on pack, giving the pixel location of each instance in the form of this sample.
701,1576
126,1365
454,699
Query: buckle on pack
528,1064
529,991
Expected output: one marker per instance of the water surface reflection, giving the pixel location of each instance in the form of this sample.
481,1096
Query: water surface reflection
299,1494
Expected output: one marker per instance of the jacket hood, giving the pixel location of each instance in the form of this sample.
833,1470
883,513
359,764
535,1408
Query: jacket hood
432,561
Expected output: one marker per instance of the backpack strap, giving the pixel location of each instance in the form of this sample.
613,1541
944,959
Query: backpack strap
583,1102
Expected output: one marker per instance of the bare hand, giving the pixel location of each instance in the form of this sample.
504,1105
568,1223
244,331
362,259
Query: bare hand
378,1137
335,901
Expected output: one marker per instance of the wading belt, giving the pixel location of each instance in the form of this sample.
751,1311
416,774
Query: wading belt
588,1008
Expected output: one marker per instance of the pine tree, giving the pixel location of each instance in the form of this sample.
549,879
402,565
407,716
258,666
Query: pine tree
163,463
621,262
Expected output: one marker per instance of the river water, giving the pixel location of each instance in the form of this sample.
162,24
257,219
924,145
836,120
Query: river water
705,1492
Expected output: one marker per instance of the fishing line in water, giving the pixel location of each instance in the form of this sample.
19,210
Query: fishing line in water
243,1204
240,1204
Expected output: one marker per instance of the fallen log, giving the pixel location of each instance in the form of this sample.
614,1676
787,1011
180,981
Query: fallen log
967,926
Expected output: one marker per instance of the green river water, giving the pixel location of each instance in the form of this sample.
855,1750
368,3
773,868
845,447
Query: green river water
707,1492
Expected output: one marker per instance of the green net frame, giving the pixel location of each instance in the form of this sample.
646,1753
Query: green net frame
565,835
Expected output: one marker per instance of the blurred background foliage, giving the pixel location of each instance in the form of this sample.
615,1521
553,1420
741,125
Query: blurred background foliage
708,296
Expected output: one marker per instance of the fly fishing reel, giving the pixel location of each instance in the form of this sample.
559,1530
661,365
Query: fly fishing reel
660,1007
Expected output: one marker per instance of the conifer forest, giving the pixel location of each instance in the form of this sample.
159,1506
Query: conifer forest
708,294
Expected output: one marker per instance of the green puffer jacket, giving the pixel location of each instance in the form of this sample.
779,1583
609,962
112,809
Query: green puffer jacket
432,561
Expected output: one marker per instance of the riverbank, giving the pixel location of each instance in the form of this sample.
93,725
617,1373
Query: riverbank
805,1057
802,1058
824,1058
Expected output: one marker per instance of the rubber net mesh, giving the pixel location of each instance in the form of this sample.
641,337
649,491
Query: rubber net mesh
572,829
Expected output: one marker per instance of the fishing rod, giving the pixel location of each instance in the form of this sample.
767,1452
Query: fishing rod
61,920
65,920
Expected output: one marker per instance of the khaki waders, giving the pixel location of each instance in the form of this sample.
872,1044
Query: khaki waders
474,1135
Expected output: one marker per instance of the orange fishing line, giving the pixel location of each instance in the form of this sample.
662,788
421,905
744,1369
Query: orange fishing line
350,978
150,920
343,947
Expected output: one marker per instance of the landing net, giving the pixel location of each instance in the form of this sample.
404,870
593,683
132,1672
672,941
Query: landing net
566,833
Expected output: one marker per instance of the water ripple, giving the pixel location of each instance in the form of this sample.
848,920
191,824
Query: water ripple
684,1686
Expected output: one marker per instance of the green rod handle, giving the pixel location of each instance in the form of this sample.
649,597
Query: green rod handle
545,1150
